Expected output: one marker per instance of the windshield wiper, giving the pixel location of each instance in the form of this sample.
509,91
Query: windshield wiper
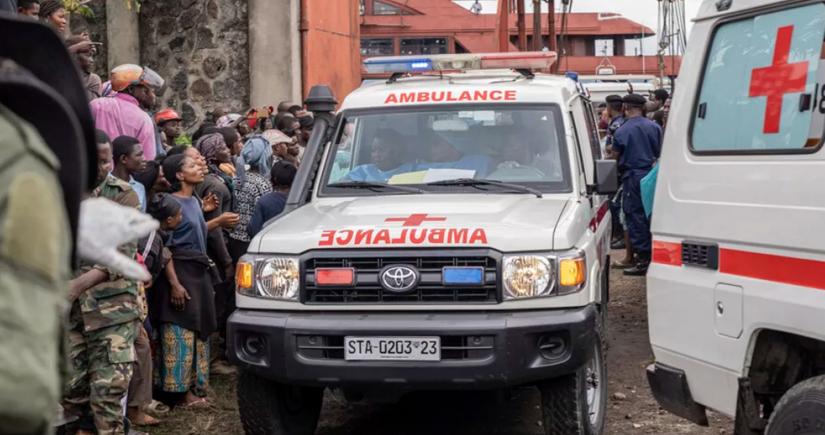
475,183
374,186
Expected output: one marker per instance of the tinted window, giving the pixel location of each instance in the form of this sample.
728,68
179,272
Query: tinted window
381,8
377,47
758,76
411,46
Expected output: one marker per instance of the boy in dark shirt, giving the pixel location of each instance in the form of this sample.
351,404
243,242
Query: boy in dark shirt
272,204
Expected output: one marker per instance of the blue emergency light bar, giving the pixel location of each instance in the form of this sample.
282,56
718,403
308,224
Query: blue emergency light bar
460,62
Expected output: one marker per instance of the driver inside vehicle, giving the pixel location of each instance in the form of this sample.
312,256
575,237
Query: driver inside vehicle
444,155
527,153
387,159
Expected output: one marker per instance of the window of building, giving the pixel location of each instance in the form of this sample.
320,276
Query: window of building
381,8
759,92
605,47
377,47
411,46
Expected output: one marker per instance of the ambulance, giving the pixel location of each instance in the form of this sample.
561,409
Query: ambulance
447,230
735,291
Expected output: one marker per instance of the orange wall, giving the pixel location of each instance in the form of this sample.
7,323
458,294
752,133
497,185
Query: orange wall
331,45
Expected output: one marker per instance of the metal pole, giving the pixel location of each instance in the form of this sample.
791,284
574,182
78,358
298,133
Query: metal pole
642,49
522,30
503,26
551,24
537,45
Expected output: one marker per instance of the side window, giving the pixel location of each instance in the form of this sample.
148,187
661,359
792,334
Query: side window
760,89
592,131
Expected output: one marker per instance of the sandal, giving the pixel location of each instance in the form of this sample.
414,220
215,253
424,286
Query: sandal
201,403
157,408
619,265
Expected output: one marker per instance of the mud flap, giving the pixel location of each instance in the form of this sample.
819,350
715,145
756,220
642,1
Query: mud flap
670,388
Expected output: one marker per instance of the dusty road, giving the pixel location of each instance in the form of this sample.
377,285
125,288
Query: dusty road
475,413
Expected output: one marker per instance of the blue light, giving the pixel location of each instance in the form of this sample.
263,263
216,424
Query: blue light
420,65
463,275
572,76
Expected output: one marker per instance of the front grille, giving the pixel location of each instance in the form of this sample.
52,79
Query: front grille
453,348
430,289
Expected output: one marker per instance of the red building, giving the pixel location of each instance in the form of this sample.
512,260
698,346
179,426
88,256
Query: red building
411,27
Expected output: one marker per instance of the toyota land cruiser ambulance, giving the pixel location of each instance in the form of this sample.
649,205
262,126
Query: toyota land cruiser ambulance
735,291
446,230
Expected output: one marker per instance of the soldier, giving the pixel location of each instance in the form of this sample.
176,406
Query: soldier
104,323
41,217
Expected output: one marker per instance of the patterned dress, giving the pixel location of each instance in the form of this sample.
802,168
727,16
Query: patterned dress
247,194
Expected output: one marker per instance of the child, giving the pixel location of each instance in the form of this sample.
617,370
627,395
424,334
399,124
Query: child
272,204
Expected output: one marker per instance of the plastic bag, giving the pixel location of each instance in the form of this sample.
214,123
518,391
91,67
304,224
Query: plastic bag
648,185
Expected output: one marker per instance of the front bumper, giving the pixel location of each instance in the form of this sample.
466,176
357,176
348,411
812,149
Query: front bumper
479,350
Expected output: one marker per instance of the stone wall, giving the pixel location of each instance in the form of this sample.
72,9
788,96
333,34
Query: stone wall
200,47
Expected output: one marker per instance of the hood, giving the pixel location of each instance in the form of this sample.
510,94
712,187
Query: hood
506,223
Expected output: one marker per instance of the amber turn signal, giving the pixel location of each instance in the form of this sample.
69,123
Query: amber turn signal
243,275
571,272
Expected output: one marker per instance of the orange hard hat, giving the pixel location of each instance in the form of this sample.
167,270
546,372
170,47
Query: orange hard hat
166,115
134,75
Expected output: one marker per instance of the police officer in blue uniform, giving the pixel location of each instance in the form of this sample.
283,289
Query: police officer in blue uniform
636,145
615,110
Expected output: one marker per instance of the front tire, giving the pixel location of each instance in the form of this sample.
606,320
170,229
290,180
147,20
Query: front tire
576,404
801,411
272,408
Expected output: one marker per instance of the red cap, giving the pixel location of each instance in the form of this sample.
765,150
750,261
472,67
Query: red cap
166,115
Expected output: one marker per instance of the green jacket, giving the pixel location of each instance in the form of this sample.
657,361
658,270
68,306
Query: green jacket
116,300
34,277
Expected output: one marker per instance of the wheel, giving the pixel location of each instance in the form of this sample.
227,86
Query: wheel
576,404
272,408
801,411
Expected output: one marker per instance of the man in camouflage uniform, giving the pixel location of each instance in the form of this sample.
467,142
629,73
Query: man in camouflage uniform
103,326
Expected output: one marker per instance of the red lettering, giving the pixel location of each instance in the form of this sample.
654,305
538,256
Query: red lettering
437,235
363,237
480,95
383,236
457,236
438,96
344,241
465,96
423,97
392,98
418,239
326,238
510,95
495,95
450,96
478,236
400,240
408,97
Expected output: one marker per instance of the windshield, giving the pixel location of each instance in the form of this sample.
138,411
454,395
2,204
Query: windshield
428,148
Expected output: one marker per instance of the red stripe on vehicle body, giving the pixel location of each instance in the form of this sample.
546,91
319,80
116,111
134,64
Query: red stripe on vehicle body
600,214
768,267
667,253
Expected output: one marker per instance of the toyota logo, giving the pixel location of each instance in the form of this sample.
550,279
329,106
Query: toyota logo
399,279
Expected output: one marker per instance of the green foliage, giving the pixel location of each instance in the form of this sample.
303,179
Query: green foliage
79,7
184,139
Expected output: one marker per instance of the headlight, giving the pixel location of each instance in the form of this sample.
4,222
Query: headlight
272,277
527,276
539,275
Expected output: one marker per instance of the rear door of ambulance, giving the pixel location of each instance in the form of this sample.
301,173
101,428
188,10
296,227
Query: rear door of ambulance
739,215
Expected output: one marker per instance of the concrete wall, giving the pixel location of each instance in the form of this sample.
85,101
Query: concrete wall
200,47
122,34
331,45
275,51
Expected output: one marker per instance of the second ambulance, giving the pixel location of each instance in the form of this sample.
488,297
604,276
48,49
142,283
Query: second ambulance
449,230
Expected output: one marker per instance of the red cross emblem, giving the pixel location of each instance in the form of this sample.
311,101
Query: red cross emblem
415,220
778,79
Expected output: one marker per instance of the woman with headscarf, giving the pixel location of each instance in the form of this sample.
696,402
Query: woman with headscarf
182,303
251,183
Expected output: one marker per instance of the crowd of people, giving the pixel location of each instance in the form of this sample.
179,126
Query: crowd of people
632,130
140,347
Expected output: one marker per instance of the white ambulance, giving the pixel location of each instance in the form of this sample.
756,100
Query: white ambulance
446,230
735,292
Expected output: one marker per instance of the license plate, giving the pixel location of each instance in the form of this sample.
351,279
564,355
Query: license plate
392,348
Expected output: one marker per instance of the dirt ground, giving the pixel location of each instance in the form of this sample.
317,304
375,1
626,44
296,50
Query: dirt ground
474,413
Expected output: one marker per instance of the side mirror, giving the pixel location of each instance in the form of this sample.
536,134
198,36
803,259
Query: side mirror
607,177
